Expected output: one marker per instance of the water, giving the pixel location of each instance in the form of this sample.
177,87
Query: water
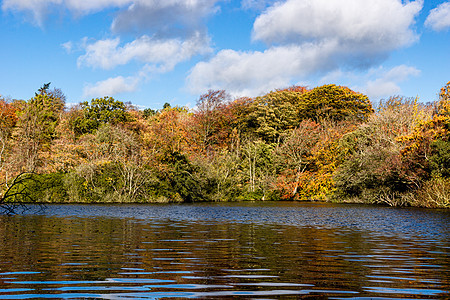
265,250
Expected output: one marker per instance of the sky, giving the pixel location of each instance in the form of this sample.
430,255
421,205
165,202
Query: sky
150,52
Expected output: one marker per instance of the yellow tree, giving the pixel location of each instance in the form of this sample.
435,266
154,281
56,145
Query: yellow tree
334,102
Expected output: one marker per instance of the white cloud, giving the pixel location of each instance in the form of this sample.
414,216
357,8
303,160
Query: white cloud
386,83
439,17
309,38
383,24
253,73
162,54
111,86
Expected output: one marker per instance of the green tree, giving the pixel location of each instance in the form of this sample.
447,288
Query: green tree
37,125
275,113
178,176
100,111
257,167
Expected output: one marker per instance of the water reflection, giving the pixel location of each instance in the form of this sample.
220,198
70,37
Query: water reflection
224,251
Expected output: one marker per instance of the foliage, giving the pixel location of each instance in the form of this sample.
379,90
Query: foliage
8,120
275,113
167,131
434,193
257,169
296,159
100,111
308,159
21,189
335,103
325,144
8,117
426,149
372,167
36,128
178,174
46,106
440,158
209,124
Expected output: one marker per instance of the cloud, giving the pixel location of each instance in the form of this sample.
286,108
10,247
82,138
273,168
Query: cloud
37,8
386,83
111,86
91,6
439,17
309,38
165,18
256,4
162,54
157,17
254,72
68,46
376,25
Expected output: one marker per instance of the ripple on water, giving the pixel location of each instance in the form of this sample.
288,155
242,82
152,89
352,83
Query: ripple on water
244,250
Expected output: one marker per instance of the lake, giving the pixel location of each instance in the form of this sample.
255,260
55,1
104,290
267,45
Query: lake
249,250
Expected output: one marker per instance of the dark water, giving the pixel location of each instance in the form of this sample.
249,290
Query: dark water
244,250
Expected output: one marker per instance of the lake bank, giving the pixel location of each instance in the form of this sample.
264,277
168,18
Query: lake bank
326,143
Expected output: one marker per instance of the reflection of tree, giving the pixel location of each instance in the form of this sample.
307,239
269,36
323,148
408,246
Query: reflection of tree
224,253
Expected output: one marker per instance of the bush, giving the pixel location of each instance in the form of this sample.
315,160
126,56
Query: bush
435,193
38,188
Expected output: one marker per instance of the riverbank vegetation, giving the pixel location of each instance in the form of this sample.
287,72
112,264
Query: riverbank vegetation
328,143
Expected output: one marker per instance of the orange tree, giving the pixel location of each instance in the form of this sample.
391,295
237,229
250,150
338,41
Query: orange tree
8,120
307,160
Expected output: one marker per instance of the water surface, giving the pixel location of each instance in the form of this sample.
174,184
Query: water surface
264,250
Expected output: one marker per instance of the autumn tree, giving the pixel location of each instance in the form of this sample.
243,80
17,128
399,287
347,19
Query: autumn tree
295,156
26,129
275,113
167,146
114,166
167,131
372,168
426,155
207,121
37,126
335,103
8,119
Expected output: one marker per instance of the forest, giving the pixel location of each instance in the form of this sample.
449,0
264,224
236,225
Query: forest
328,143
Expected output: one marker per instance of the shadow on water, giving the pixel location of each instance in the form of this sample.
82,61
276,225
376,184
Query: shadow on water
244,250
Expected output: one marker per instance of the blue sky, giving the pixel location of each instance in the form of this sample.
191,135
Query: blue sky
150,52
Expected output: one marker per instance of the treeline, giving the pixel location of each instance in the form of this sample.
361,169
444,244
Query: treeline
323,144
